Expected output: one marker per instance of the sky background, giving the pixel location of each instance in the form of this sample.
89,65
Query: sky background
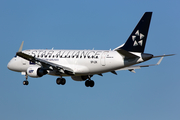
149,94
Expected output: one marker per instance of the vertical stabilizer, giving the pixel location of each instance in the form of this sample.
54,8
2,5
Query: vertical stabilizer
137,40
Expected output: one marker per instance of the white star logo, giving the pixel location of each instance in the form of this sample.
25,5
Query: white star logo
138,38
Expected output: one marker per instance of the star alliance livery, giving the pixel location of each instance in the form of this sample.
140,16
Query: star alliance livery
81,65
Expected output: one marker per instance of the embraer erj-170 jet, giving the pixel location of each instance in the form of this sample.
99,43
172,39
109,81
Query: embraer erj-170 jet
81,65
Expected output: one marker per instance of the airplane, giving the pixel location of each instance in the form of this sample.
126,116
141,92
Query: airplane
81,65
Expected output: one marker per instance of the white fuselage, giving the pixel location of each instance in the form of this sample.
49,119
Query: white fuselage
82,62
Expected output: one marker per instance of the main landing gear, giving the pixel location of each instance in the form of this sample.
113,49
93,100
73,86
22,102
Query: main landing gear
61,81
89,82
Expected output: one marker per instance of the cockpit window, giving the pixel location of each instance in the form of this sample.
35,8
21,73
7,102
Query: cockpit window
15,56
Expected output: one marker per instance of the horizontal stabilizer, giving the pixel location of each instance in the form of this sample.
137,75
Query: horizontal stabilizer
163,55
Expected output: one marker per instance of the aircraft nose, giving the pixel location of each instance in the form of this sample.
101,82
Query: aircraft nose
12,64
9,65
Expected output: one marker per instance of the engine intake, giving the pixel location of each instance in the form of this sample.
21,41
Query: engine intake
36,72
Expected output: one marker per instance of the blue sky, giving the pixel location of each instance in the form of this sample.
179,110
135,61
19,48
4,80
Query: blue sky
150,94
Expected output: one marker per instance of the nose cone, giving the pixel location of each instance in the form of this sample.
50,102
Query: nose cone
12,65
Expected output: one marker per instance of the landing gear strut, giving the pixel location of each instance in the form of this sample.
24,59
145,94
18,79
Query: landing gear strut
26,82
61,81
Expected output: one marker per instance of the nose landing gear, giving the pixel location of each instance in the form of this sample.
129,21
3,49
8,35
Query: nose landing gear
26,81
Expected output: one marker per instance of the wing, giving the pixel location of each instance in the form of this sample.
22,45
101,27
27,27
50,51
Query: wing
46,64
132,68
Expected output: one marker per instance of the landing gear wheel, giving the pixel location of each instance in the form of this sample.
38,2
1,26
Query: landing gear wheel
25,82
61,81
89,83
58,81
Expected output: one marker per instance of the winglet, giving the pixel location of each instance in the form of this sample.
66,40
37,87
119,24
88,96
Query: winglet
20,49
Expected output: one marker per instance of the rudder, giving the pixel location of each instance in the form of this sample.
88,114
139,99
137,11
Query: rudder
137,40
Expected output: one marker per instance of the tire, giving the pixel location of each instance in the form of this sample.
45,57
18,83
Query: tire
58,81
25,82
87,83
63,81
91,83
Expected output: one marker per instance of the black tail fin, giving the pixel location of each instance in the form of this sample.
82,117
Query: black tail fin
137,40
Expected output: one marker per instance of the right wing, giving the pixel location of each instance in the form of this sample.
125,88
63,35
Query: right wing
132,68
163,55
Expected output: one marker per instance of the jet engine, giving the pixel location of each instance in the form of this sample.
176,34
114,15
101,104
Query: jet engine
36,72
79,78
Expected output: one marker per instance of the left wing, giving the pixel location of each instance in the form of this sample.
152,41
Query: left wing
44,63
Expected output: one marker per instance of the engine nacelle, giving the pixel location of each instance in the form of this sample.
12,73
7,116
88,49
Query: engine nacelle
79,78
36,72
